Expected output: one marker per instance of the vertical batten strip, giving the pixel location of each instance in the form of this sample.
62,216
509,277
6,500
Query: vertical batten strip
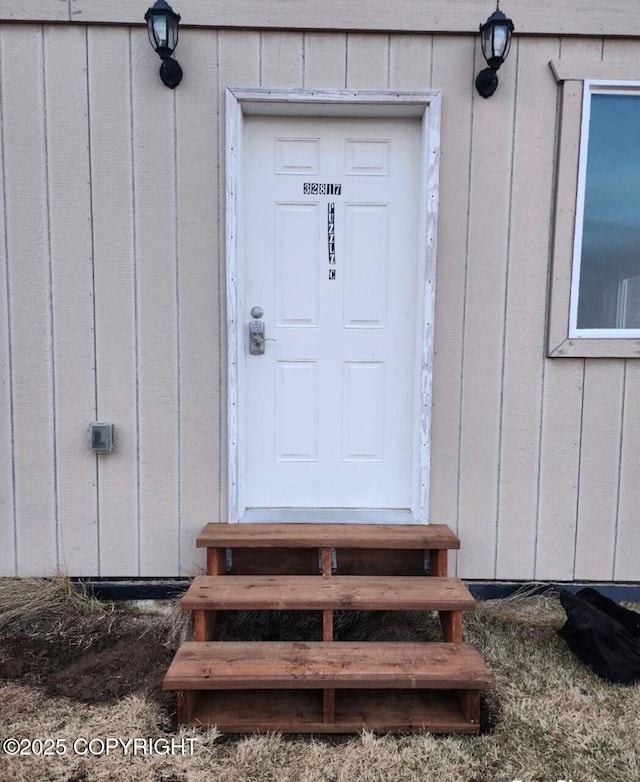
72,308
304,59
432,57
346,60
579,476
623,407
8,552
93,286
178,366
113,209
50,313
136,308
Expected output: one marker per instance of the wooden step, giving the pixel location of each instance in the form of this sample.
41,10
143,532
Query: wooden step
363,593
329,688
310,665
359,536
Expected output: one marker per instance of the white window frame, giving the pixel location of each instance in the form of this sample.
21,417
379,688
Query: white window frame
571,73
592,87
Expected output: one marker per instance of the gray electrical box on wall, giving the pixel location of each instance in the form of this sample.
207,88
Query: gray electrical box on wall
102,437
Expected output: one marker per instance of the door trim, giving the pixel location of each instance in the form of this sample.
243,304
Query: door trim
242,102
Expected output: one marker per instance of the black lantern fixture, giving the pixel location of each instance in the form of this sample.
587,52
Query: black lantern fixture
162,25
495,37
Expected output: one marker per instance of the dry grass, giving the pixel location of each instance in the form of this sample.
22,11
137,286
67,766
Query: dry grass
24,599
53,608
557,721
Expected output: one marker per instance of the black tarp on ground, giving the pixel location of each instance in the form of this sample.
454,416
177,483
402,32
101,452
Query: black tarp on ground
603,634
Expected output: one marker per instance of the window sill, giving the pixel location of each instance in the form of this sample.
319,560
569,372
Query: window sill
595,348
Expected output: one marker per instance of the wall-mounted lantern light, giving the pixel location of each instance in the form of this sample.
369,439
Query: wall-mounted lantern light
495,37
162,25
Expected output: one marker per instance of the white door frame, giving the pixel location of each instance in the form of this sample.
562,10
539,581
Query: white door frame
323,103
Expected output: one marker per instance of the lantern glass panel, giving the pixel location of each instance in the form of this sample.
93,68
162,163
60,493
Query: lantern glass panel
152,39
486,43
500,40
172,32
160,32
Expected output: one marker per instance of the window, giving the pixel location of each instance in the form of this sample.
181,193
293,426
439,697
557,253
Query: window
595,285
605,290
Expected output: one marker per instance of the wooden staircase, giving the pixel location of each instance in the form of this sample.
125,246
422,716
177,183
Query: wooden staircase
328,686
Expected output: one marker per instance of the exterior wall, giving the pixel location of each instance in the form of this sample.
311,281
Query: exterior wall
112,301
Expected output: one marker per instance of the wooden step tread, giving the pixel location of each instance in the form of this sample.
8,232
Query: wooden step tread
371,536
364,593
300,711
309,665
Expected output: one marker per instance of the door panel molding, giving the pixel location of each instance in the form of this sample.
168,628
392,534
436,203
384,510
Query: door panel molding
241,103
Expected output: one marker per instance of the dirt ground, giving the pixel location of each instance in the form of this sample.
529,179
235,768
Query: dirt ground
129,660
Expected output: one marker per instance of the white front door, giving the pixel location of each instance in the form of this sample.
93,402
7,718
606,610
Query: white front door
330,254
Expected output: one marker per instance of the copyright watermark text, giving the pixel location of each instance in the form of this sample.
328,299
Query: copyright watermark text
96,747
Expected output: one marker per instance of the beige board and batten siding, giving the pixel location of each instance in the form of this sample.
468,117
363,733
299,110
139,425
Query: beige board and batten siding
113,302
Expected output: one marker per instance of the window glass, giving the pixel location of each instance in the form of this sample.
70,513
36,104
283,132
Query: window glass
609,279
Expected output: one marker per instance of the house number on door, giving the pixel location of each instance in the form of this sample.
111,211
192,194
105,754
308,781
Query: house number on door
321,188
331,230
